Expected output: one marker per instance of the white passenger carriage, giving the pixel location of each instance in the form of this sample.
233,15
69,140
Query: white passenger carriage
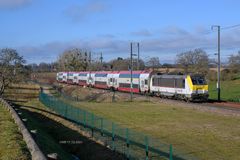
101,79
82,78
70,77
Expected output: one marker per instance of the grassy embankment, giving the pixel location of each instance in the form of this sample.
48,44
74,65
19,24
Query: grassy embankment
202,134
230,90
12,146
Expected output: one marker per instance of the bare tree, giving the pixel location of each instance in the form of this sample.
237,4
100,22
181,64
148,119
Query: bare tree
11,68
119,64
124,64
196,61
234,62
153,62
74,60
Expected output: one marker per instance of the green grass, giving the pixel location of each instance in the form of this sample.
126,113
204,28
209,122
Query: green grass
201,134
12,146
230,90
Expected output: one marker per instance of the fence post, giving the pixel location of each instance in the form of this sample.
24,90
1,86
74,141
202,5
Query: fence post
101,126
127,141
170,152
92,124
113,136
146,147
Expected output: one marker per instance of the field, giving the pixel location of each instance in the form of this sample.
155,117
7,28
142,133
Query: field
12,146
203,134
230,90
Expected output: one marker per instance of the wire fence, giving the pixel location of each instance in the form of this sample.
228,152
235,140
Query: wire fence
133,145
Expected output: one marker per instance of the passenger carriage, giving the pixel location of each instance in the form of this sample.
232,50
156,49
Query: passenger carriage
70,77
101,79
82,78
140,81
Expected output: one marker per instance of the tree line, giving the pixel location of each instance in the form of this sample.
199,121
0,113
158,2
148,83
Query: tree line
192,61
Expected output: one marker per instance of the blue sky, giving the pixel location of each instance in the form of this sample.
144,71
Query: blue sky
42,29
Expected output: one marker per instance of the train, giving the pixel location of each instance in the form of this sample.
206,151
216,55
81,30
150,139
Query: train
189,87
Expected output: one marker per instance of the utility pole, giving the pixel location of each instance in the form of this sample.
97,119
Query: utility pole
101,60
131,68
219,62
138,61
131,64
90,74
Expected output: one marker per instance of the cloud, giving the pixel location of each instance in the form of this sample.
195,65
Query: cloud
79,13
13,4
165,47
142,33
173,30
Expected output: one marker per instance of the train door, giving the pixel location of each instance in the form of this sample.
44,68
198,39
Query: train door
142,84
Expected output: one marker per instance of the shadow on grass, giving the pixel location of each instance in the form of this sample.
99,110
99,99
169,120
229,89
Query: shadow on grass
52,136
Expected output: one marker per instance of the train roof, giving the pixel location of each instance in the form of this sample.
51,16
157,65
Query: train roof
135,72
110,72
169,76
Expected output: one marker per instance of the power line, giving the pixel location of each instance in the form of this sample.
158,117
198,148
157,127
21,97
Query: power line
222,28
230,27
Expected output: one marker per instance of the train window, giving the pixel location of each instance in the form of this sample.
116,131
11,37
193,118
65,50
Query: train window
167,82
155,82
198,80
124,85
146,81
82,81
100,83
128,85
135,85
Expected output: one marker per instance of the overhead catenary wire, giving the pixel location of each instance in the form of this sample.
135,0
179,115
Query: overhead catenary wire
222,28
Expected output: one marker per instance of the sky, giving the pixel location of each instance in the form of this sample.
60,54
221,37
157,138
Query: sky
40,30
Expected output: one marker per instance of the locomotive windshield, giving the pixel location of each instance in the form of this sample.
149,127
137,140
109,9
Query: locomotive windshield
198,80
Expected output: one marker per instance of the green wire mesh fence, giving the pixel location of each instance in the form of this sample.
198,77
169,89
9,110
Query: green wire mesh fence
133,145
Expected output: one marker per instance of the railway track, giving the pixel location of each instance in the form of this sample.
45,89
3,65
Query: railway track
211,105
